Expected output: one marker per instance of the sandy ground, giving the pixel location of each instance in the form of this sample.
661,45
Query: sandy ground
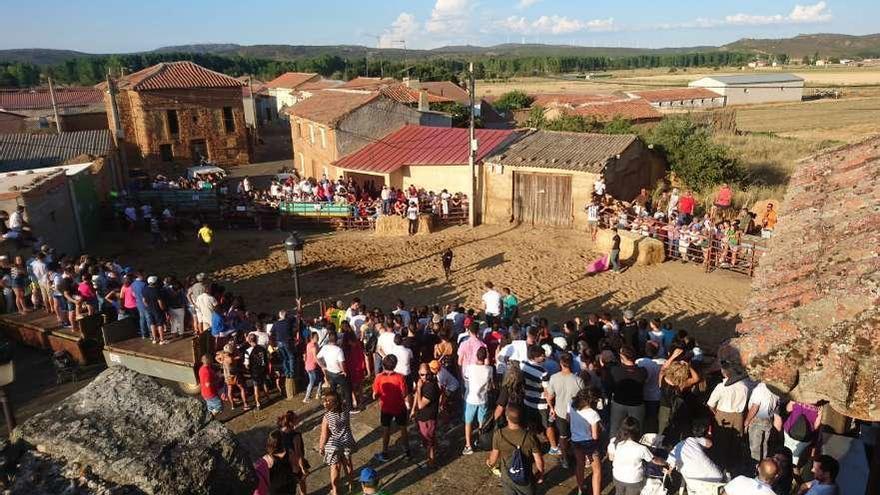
545,268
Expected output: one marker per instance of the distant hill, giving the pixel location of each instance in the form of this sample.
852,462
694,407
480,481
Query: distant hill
826,45
39,56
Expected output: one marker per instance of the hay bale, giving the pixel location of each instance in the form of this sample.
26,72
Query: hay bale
633,247
391,225
650,251
426,224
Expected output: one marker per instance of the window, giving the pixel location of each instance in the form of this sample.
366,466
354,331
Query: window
173,124
323,138
228,120
166,153
312,133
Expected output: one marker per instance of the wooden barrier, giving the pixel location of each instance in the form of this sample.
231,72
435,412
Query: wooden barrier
41,330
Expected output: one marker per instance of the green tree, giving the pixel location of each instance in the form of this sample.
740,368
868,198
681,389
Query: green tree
513,100
693,156
536,118
618,125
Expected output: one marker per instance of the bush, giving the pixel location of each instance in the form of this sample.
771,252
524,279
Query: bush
694,158
513,100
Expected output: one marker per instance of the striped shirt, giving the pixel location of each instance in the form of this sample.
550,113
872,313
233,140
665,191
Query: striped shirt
537,380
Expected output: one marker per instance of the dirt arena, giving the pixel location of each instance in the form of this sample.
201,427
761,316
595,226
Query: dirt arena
546,269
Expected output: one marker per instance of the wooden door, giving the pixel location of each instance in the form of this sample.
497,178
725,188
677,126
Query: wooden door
542,199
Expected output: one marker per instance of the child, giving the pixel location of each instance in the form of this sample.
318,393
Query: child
231,375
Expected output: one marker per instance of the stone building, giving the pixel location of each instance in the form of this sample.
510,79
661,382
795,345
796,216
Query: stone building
173,114
810,326
547,177
334,123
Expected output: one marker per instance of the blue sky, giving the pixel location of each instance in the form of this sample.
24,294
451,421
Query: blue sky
102,26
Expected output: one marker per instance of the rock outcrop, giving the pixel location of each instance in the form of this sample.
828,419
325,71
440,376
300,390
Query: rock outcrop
126,430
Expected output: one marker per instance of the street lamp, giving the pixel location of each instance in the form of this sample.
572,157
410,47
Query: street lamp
293,245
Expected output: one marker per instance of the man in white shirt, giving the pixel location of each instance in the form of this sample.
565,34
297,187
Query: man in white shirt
599,187
456,316
400,310
651,363
491,304
205,304
404,357
331,359
592,210
741,485
16,219
477,381
412,214
690,459
759,420
728,404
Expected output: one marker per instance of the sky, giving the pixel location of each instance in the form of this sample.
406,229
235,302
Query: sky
119,26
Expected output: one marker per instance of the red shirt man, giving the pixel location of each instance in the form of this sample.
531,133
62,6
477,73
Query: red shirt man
686,204
390,388
724,196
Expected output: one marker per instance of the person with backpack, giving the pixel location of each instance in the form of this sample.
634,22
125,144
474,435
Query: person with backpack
517,451
256,361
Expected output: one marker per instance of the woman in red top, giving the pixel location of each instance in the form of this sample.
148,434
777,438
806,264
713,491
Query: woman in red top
355,363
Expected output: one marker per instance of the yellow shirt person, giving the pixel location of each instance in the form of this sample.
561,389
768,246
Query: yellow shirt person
206,235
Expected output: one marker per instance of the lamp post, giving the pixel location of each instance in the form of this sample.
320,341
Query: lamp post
293,245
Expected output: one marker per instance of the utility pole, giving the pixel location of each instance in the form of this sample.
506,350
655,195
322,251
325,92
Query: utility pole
54,106
118,133
254,109
472,150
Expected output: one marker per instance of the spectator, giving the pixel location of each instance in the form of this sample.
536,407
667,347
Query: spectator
563,388
516,439
743,485
425,410
825,470
477,382
208,386
389,388
627,456
336,444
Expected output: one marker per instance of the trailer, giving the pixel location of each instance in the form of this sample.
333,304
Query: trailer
178,361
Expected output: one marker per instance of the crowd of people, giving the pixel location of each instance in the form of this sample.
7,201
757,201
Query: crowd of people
627,392
714,238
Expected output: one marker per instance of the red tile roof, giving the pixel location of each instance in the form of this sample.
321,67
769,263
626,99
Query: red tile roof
36,99
550,99
400,92
422,145
177,75
292,80
319,84
368,83
810,326
635,109
676,94
330,106
447,89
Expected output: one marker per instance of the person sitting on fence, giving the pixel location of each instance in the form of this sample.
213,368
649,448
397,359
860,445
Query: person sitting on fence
768,219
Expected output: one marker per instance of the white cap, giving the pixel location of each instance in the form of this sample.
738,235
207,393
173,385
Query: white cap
152,279
547,350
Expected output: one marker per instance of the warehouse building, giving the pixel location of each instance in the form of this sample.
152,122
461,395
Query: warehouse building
748,89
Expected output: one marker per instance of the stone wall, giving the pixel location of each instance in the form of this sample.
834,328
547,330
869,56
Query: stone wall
636,168
199,117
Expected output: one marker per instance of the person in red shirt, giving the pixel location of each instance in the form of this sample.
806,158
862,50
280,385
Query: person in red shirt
208,385
391,391
723,197
686,207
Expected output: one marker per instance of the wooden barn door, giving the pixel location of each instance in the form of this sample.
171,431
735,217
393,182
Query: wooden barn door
542,199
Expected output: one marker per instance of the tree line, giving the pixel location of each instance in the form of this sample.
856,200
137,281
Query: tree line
93,69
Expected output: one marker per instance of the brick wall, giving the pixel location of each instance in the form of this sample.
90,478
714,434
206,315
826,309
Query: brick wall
199,116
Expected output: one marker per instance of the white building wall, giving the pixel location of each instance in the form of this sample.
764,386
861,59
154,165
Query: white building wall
749,94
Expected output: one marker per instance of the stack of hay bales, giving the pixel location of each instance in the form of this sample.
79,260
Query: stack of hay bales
633,247
394,225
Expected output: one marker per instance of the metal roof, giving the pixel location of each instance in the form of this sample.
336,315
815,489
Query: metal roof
756,78
578,151
27,151
422,145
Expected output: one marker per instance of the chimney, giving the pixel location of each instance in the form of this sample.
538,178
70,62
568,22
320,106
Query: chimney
423,101
411,83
